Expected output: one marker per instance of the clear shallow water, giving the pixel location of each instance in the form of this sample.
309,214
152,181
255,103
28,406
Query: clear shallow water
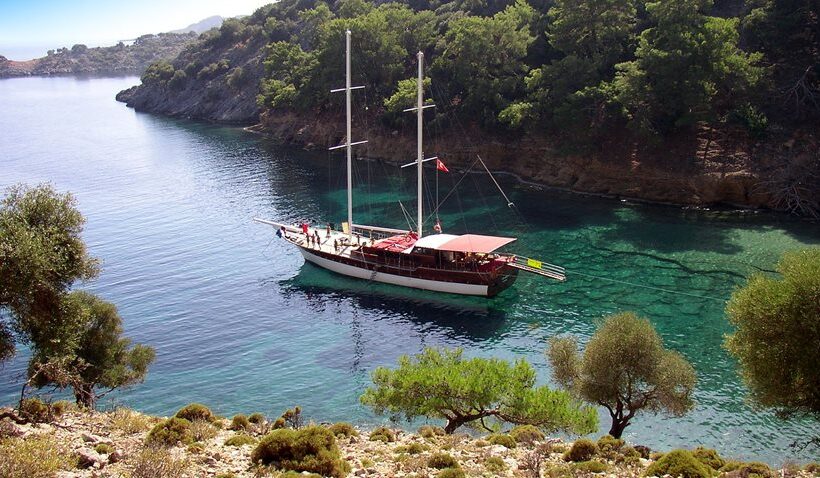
240,323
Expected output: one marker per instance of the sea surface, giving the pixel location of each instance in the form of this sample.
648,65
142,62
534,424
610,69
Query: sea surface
242,324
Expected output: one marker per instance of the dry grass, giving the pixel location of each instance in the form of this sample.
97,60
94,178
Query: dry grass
130,422
155,462
203,430
35,457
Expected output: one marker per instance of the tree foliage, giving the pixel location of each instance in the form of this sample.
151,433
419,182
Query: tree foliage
624,369
778,332
477,392
75,338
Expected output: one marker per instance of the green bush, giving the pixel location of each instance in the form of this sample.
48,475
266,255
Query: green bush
35,410
679,463
590,467
441,461
196,448
240,440
59,407
411,449
343,429
608,445
195,411
38,456
257,418
813,468
428,431
383,434
103,448
311,449
708,457
451,473
502,439
526,434
582,450
170,432
495,464
203,430
643,451
226,475
240,422
755,469
629,456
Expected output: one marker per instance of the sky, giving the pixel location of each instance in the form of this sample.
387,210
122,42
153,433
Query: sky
28,28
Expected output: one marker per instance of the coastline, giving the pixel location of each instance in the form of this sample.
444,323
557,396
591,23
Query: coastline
113,442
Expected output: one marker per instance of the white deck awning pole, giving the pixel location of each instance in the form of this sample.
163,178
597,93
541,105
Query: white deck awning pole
349,138
419,154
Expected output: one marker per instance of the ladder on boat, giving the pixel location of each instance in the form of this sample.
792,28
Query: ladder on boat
539,267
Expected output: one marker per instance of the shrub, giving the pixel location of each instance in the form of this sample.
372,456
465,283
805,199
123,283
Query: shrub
293,417
129,421
240,422
170,432
452,473
582,450
35,410
643,451
590,467
494,464
383,434
501,439
428,431
226,475
813,468
240,440
103,448
38,456
343,429
708,457
608,445
629,456
679,463
411,449
755,469
59,407
196,448
154,462
279,423
441,461
257,418
526,434
311,449
195,411
178,80
203,430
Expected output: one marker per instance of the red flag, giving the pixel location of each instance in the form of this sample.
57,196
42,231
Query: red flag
441,167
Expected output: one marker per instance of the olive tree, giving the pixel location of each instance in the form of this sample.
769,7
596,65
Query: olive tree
478,392
777,340
75,338
624,369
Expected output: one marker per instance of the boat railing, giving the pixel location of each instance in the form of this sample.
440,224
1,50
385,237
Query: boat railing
541,268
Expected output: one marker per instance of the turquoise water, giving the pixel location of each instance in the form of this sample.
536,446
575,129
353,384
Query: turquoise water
240,323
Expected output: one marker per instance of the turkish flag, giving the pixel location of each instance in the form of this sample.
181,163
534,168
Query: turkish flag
441,167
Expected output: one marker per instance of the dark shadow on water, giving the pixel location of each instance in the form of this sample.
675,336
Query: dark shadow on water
460,318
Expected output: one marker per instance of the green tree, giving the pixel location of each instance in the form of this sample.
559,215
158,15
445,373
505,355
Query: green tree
688,68
75,338
41,256
481,61
624,369
476,392
102,360
778,332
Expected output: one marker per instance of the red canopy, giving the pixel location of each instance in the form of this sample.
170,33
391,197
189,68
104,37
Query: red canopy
475,243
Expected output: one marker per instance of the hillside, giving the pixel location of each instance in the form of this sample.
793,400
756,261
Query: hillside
117,59
202,26
682,102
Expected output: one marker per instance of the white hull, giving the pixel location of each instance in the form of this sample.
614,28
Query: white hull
360,273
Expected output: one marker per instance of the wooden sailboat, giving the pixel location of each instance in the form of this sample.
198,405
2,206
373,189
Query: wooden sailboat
467,264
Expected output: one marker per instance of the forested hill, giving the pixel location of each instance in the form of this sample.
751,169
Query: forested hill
686,101
117,59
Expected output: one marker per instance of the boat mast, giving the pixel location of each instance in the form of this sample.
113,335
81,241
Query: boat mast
349,139
419,154
348,144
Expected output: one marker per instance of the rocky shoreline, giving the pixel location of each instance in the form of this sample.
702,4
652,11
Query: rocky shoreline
113,444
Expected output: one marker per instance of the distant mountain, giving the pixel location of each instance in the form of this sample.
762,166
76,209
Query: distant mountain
118,59
202,25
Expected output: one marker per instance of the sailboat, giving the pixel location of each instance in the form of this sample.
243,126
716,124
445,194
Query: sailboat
467,264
